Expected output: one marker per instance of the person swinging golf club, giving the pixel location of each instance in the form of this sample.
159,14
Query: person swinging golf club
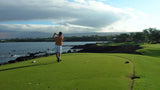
58,45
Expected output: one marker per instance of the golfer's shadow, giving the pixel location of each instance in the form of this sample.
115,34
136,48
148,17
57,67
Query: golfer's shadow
27,66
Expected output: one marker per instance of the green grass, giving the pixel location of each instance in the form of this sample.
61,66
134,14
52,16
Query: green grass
150,50
147,68
85,71
77,71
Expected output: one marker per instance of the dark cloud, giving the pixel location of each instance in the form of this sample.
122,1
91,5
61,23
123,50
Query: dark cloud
73,13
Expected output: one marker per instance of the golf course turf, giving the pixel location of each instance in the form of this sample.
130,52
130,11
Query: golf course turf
86,71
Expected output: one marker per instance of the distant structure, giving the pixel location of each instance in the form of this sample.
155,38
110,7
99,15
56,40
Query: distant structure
2,40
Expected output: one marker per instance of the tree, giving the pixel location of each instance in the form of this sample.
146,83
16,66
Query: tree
152,35
122,37
139,37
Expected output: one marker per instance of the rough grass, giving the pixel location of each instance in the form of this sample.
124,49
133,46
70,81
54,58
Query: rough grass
150,50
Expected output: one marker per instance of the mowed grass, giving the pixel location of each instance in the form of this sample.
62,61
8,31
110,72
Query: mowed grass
85,71
77,71
148,69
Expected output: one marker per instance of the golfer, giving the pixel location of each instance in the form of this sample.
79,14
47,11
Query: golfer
58,45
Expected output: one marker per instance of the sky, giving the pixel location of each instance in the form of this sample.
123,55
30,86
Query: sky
79,16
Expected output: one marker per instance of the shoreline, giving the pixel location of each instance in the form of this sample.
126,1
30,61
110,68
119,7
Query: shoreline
87,48
36,55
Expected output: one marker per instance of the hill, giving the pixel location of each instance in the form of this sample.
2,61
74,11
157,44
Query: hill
35,34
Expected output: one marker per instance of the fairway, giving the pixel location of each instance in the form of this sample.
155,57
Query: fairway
77,71
147,68
86,71
79,45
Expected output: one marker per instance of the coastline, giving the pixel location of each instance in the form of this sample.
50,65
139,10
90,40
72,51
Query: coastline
30,56
13,50
87,48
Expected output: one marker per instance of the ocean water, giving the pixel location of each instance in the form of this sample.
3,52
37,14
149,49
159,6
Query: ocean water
12,50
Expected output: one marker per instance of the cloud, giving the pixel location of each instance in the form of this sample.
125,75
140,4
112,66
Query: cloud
45,28
83,13
80,1
137,23
39,31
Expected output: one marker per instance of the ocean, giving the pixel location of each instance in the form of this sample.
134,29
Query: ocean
12,50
